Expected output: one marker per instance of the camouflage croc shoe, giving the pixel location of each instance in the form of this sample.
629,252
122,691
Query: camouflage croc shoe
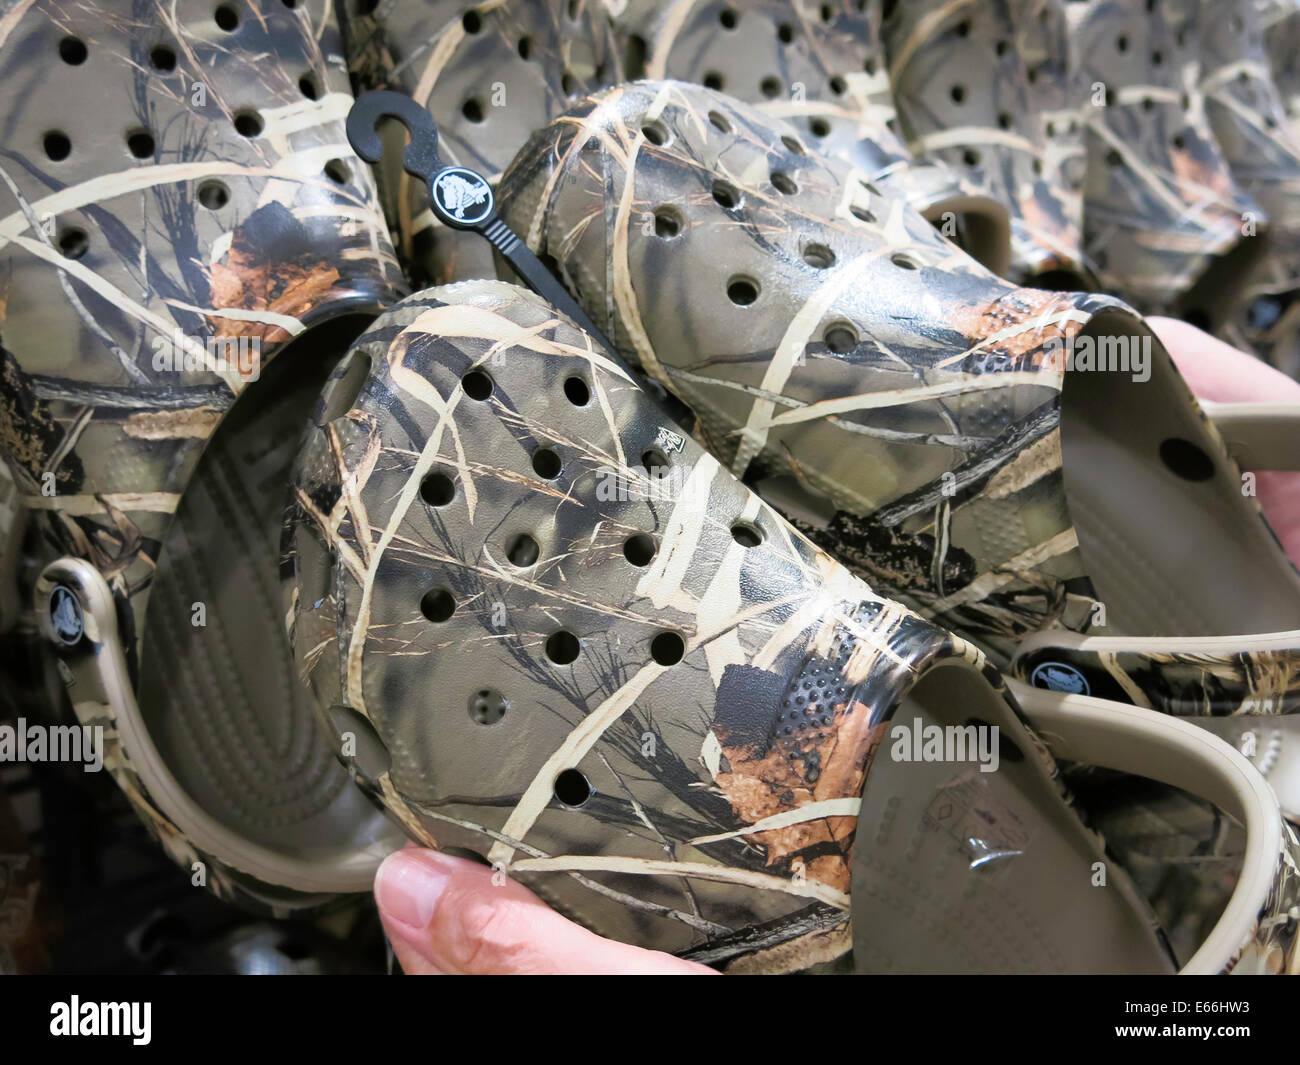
822,68
989,89
1226,58
1165,224
189,244
555,633
1027,468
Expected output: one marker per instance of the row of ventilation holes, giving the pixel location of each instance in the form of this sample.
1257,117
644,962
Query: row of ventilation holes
562,647
840,337
472,23
73,241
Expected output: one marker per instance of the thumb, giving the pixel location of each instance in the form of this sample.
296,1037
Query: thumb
446,915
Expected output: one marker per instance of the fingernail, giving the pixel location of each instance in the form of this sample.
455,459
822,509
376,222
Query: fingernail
408,886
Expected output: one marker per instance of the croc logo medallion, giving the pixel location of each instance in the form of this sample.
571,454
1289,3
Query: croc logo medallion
1059,677
463,195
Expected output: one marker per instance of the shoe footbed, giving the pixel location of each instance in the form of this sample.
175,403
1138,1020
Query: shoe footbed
1172,545
222,700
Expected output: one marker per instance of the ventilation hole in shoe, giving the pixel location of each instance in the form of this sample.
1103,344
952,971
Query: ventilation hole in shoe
841,337
655,132
819,127
838,85
726,194
1157,58
1121,43
793,146
1114,159
770,87
546,464
487,707
477,385
213,194
1005,121
1179,141
904,261
562,647
721,124
162,58
970,157
72,50
577,391
728,17
827,12
140,143
667,648
818,256
56,145
639,549
784,183
337,171
522,551
73,242
248,123
1008,751
568,84
668,222
572,788
963,28
1001,48
361,7
869,67
742,291
862,214
438,605
785,33
525,47
746,534
472,109
437,489
227,18
656,463
1033,76
713,80
1186,460
308,87
958,94
472,22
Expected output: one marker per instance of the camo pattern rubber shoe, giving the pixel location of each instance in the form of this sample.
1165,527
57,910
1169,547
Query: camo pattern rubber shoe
490,74
823,70
563,637
1004,460
1165,224
1226,58
988,89
183,207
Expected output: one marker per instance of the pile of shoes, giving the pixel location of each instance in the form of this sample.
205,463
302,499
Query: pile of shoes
813,560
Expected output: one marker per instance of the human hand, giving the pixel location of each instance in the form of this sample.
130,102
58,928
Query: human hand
446,916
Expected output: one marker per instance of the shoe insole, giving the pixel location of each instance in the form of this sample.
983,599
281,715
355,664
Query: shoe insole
219,690
1173,546
961,871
